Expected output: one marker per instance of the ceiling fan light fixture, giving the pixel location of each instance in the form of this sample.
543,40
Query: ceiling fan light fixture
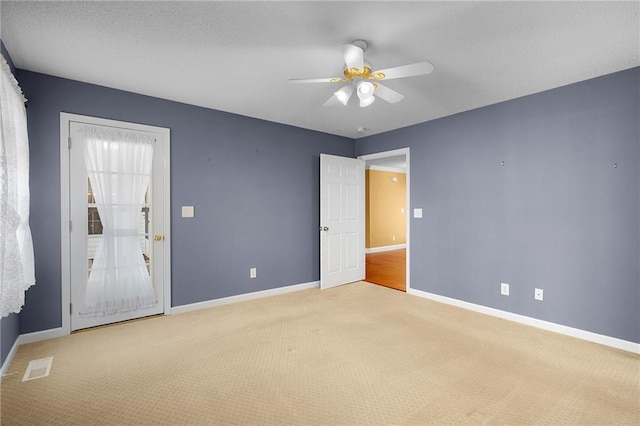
367,101
360,77
365,90
344,94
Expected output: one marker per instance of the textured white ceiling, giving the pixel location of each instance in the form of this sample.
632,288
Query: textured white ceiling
238,56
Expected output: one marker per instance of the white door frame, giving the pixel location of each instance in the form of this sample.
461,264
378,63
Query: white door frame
393,153
65,118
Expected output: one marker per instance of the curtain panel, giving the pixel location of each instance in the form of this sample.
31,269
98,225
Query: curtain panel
119,165
16,247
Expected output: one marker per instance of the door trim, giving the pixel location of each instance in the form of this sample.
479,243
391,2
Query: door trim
406,153
65,239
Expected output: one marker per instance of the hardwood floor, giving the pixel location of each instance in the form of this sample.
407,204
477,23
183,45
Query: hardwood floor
387,268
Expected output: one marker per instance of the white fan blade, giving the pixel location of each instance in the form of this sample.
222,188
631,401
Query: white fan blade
387,94
353,56
419,68
316,80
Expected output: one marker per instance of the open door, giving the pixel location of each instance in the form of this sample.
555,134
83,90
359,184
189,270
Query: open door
342,223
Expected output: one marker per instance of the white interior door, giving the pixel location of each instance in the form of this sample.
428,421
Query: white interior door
342,224
86,227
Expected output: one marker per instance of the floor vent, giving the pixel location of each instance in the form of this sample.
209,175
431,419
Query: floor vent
38,368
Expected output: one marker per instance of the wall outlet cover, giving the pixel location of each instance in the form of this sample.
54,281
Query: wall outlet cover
538,294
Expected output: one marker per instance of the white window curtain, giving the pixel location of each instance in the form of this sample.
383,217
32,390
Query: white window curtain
118,163
16,247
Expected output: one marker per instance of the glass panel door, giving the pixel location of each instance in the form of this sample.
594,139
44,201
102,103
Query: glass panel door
90,231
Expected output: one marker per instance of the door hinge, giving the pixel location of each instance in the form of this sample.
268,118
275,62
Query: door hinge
70,308
69,142
70,226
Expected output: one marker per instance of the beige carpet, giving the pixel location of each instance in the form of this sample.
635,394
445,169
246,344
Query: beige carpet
357,354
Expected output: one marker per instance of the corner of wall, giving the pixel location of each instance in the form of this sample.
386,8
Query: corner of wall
7,56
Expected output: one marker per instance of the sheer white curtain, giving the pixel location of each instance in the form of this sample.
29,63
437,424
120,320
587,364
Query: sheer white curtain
16,248
118,163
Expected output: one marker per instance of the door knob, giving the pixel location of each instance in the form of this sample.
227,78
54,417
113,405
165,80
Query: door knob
326,228
158,238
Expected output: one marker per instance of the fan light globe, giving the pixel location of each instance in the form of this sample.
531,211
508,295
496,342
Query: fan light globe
365,90
365,93
367,101
342,97
344,94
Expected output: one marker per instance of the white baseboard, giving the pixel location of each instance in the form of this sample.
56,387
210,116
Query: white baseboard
613,342
37,336
385,248
9,358
243,297
23,339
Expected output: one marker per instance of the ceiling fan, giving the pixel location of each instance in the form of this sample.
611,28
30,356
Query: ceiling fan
359,77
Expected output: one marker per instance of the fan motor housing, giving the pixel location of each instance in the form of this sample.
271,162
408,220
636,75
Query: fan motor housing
365,73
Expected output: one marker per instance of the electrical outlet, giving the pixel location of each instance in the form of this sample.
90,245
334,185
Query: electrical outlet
538,294
393,237
253,272
504,289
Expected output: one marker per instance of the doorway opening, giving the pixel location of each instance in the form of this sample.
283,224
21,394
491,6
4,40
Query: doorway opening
387,218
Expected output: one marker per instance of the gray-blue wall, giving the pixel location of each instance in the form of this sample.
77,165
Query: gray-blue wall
254,185
556,216
9,326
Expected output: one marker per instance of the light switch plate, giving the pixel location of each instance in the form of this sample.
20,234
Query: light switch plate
187,211
417,213
504,289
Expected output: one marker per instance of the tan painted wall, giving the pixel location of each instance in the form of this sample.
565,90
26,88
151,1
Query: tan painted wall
385,201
